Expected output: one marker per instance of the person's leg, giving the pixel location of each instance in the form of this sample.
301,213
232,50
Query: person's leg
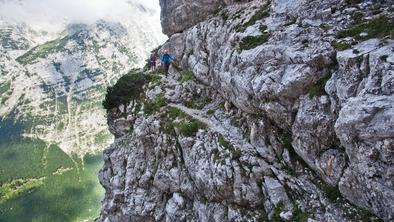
167,67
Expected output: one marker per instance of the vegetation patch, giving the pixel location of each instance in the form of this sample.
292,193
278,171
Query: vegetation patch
379,27
169,117
174,113
153,80
236,121
221,13
198,102
42,51
223,142
72,195
128,89
318,88
341,45
299,215
235,153
189,127
174,118
367,216
290,20
4,87
155,106
324,26
286,139
332,193
262,13
251,42
186,76
353,2
210,111
277,210
17,187
357,16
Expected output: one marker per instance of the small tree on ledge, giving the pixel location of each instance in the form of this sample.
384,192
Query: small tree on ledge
128,89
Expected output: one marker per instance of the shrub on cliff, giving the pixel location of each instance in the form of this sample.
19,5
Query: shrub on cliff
128,89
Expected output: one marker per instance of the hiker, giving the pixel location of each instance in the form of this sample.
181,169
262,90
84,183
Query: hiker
153,59
166,59
149,64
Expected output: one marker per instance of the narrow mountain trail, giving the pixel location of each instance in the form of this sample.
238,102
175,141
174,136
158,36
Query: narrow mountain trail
230,133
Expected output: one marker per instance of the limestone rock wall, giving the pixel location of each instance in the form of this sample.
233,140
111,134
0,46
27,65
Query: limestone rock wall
297,120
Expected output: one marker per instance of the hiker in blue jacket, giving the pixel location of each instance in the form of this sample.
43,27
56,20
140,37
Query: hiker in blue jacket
166,59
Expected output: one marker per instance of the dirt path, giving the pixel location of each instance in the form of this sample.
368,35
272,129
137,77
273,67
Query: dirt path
230,133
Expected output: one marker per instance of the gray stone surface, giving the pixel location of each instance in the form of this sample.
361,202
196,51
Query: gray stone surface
298,116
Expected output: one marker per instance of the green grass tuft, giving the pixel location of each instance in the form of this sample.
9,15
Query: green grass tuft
379,27
198,102
341,45
186,76
251,42
353,2
174,113
263,28
235,153
277,210
357,16
153,107
190,127
223,14
153,79
223,142
210,111
176,118
290,20
298,215
318,88
367,216
324,26
332,193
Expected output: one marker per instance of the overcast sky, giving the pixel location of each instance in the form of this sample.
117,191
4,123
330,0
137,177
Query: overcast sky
41,13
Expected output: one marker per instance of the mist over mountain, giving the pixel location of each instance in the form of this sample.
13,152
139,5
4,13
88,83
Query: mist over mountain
53,15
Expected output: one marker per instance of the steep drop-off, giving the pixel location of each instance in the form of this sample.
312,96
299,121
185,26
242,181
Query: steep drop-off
279,111
53,77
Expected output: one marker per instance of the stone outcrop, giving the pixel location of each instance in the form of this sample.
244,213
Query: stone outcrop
277,122
179,15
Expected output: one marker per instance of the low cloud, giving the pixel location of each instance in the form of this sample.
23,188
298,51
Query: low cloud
54,13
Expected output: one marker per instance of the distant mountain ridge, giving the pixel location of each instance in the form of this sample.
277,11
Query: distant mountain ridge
56,84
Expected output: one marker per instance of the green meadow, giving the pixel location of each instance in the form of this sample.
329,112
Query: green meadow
41,183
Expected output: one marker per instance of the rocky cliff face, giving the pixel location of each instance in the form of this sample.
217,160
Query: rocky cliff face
285,113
